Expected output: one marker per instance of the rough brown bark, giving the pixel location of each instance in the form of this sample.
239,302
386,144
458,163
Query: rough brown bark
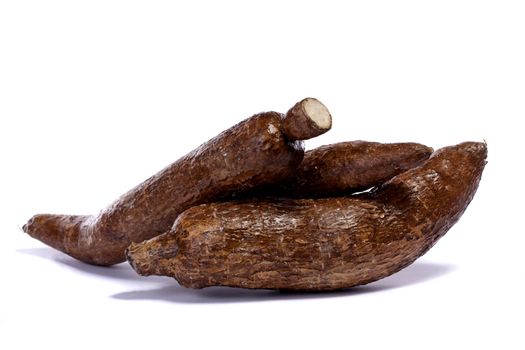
345,168
317,244
254,152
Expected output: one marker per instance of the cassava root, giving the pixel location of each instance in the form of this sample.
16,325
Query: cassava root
317,244
345,168
255,152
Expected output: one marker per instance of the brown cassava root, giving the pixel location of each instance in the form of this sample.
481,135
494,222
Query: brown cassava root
255,152
317,244
345,168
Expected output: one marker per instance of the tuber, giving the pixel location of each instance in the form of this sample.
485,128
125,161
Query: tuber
317,244
254,152
346,167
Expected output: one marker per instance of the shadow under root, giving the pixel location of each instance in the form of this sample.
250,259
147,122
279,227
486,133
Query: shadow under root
170,291
418,272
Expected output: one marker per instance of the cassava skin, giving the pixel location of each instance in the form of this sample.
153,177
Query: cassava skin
317,244
345,168
254,152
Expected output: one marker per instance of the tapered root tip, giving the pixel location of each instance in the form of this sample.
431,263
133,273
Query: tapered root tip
54,230
475,151
479,150
426,151
45,228
418,153
307,119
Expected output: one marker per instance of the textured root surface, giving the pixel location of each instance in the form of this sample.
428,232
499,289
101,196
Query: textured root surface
322,244
345,168
252,153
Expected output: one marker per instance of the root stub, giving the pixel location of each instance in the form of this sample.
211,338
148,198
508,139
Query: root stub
307,119
317,244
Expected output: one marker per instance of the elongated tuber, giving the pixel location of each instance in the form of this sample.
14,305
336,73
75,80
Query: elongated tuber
255,152
346,167
317,244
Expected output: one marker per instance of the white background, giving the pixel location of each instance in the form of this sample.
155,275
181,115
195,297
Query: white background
96,96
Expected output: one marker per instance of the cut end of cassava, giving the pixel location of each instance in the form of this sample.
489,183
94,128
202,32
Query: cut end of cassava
318,113
307,119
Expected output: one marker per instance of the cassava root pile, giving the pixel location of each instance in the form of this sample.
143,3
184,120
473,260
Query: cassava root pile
250,209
